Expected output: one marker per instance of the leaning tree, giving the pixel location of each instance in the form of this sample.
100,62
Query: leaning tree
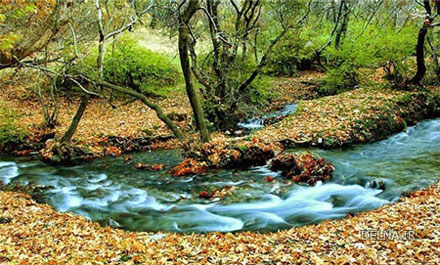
63,32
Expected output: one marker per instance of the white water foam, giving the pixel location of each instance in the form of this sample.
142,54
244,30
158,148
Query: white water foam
258,123
303,205
8,171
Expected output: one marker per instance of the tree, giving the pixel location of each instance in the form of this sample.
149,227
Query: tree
191,90
420,48
59,64
103,37
336,29
340,32
19,47
225,73
75,121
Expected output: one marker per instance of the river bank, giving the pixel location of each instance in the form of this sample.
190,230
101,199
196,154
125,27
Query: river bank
103,131
107,131
114,191
363,115
33,233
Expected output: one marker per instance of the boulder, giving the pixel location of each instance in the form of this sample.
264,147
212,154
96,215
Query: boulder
303,167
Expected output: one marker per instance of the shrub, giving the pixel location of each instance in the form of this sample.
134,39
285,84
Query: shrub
10,131
392,51
130,65
388,48
339,80
141,69
433,74
295,52
342,70
433,67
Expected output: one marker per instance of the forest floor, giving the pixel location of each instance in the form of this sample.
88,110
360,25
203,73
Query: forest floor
133,120
99,120
362,115
405,232
32,233
366,114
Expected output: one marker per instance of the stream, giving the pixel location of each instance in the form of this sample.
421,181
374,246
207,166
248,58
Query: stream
109,190
258,123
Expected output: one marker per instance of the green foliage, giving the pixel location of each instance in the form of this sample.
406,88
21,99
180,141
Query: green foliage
15,18
259,90
339,80
7,41
295,52
141,69
12,13
10,130
257,93
388,47
392,49
130,65
432,74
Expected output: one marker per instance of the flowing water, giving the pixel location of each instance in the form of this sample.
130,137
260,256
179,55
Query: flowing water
258,123
366,177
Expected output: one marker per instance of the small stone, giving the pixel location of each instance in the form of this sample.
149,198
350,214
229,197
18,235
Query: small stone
268,179
5,220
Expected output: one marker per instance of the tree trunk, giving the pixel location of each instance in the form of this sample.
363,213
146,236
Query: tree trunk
420,47
147,102
242,88
319,51
100,59
435,59
79,113
193,93
35,43
154,19
420,54
85,98
101,43
343,28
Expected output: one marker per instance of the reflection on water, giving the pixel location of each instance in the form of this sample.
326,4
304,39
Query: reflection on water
109,189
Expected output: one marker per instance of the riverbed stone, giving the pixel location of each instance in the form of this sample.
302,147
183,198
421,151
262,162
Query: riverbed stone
303,167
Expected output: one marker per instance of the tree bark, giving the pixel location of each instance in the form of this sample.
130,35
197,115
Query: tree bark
420,47
100,58
160,114
420,54
338,18
33,44
435,59
343,28
192,92
76,119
